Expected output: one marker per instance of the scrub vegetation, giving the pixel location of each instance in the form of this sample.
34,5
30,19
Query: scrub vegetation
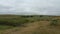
29,24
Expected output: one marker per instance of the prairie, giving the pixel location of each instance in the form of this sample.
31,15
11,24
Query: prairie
29,24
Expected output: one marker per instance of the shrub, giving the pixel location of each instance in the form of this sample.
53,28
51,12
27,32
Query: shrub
13,22
54,22
41,15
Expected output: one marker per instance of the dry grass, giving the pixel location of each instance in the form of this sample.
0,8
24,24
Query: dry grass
37,27
41,27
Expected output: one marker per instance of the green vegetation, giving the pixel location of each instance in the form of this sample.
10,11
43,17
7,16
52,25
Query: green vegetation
16,20
38,23
54,22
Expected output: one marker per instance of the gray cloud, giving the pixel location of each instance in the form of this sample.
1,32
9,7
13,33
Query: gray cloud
30,7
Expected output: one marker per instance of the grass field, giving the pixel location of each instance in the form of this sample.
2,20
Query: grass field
29,24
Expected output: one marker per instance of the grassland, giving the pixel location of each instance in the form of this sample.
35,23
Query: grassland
29,24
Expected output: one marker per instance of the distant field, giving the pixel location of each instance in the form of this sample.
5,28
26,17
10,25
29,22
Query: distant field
14,21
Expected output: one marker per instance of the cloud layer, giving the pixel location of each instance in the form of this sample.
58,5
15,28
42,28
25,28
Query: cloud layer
50,7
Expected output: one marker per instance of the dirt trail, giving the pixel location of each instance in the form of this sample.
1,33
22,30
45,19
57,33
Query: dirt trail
30,27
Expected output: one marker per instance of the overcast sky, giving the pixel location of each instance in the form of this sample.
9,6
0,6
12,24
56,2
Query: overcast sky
30,7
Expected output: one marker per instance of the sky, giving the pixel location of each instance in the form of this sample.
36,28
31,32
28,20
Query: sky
27,7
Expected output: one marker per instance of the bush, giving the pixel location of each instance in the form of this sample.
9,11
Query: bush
13,22
41,15
54,22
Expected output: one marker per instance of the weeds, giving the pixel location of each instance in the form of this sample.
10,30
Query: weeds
54,22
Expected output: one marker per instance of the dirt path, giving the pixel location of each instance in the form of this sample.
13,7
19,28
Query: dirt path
30,27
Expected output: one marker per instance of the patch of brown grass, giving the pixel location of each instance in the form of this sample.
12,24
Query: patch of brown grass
41,27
